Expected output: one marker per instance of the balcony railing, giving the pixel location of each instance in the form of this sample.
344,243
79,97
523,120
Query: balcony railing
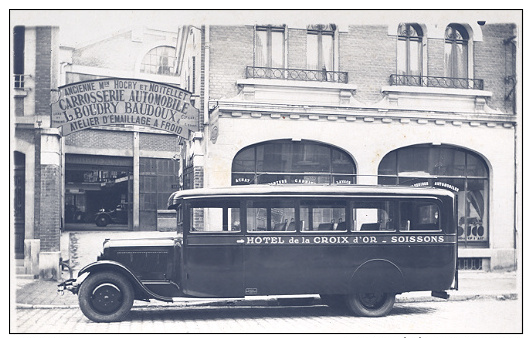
295,74
436,81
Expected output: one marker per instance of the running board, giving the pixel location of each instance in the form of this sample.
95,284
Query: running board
440,294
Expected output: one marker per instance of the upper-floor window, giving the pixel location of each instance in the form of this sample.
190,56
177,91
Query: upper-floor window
269,46
18,55
456,51
320,47
160,60
409,49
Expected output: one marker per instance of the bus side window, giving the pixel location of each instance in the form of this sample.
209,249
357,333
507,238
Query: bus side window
271,215
373,216
214,216
418,216
323,215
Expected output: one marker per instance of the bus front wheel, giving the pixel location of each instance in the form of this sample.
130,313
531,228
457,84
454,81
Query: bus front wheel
371,304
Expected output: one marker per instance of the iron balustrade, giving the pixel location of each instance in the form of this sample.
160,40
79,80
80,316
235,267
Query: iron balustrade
295,74
436,81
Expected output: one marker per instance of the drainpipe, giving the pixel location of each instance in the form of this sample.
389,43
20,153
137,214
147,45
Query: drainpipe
207,74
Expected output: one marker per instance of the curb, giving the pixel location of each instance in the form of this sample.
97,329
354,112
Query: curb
285,302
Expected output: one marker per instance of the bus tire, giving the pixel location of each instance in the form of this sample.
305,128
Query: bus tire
370,304
102,221
106,297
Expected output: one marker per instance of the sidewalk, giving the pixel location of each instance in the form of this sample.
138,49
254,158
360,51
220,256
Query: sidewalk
82,248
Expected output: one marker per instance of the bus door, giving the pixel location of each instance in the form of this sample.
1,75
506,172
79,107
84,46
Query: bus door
271,261
213,249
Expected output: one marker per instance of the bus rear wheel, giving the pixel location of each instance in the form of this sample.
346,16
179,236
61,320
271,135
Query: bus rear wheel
371,304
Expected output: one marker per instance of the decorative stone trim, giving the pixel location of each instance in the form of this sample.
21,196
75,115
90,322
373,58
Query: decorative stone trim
240,109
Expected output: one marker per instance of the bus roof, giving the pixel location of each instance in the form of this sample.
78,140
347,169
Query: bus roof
302,190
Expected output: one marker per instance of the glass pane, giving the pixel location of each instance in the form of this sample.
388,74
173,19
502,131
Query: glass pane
387,180
277,49
274,215
374,216
418,216
310,158
445,161
476,205
323,215
243,179
216,215
327,52
388,164
270,157
461,61
261,49
401,57
447,60
476,166
245,160
342,163
415,60
160,60
312,51
413,161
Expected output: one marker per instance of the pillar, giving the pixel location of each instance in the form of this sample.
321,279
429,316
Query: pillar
50,205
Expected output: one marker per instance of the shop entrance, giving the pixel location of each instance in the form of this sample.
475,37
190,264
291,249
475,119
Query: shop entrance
98,192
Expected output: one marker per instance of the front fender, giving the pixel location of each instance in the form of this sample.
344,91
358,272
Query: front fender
141,291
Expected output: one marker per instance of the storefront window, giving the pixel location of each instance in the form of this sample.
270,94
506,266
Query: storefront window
446,167
301,162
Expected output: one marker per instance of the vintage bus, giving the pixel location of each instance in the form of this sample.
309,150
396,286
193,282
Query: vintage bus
355,246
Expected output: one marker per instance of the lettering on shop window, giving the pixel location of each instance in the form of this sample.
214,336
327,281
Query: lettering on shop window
437,184
124,101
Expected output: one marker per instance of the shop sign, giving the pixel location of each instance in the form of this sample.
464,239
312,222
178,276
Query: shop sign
113,101
437,184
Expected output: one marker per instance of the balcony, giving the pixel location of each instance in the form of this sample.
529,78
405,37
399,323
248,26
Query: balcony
436,81
295,74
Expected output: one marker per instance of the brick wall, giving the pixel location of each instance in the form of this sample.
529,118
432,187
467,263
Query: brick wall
368,54
50,215
231,50
101,139
435,57
158,142
493,59
43,59
297,48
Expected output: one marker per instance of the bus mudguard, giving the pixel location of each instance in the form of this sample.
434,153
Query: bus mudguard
377,275
141,291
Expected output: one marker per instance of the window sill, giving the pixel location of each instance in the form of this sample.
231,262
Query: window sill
296,92
450,100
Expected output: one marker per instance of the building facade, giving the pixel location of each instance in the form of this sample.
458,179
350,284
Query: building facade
401,103
397,103
61,182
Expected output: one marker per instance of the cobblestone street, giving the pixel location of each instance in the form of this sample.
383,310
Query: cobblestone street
480,316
